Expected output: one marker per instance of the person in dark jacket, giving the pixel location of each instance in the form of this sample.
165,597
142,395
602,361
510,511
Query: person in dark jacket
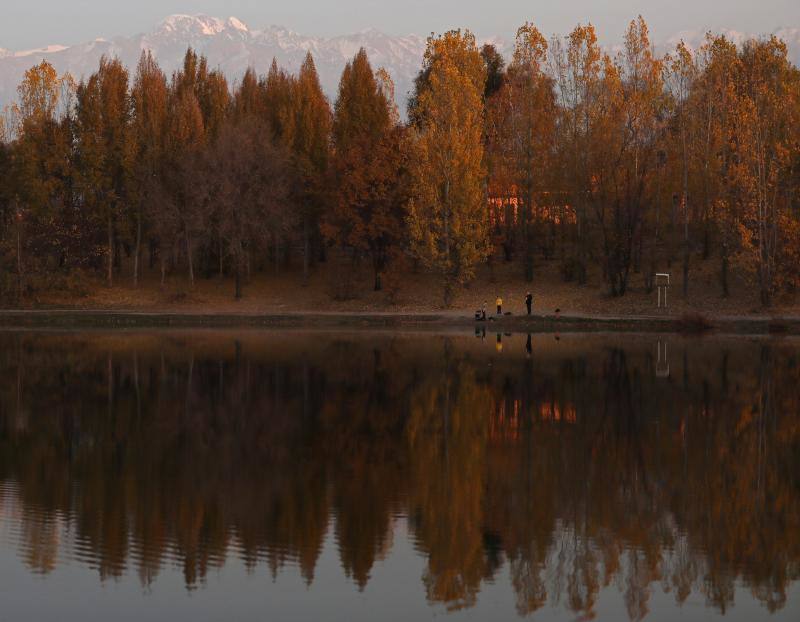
529,302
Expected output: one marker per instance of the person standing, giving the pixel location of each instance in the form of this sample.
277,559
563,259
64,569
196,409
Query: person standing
483,311
529,302
499,306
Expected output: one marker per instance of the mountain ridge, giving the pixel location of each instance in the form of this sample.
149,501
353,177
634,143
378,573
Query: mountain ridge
233,46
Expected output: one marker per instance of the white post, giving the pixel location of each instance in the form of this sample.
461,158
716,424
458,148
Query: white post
662,282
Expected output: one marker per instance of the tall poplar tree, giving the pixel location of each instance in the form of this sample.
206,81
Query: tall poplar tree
633,107
105,148
149,101
523,122
682,73
577,65
183,215
767,109
39,159
447,219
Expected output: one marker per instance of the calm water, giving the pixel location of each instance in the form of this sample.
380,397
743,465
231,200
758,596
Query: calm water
318,476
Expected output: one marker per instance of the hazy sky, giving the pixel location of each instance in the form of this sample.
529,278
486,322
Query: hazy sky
34,23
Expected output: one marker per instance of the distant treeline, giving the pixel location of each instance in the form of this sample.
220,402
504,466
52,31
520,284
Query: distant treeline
627,162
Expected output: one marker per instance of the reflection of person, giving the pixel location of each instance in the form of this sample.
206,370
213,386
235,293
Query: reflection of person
499,344
529,301
499,306
528,346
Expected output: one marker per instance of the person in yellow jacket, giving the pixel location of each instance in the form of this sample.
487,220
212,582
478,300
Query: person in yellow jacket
499,306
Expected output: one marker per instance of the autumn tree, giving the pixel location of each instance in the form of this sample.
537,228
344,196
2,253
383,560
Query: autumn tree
682,71
577,66
447,220
523,122
105,148
39,160
5,215
249,99
368,166
768,102
633,104
712,112
248,184
311,127
279,88
278,92
149,101
214,99
182,216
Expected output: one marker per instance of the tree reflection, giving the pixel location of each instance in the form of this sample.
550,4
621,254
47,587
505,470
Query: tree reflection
578,468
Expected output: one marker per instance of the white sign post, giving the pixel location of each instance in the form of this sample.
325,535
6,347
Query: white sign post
662,285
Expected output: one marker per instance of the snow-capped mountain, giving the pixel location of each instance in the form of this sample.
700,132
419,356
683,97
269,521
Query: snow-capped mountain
695,38
230,45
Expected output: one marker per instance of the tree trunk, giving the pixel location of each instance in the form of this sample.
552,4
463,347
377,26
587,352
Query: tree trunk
136,383
138,249
110,251
580,218
686,268
528,250
20,271
221,259
110,376
238,279
189,258
766,298
306,251
378,283
724,273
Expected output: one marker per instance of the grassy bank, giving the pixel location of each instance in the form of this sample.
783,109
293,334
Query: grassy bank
90,319
413,300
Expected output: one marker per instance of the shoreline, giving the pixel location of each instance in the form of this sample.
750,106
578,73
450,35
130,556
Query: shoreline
438,321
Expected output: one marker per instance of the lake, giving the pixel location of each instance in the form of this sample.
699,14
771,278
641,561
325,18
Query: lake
252,475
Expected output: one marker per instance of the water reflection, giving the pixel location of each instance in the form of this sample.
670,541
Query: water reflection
576,466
